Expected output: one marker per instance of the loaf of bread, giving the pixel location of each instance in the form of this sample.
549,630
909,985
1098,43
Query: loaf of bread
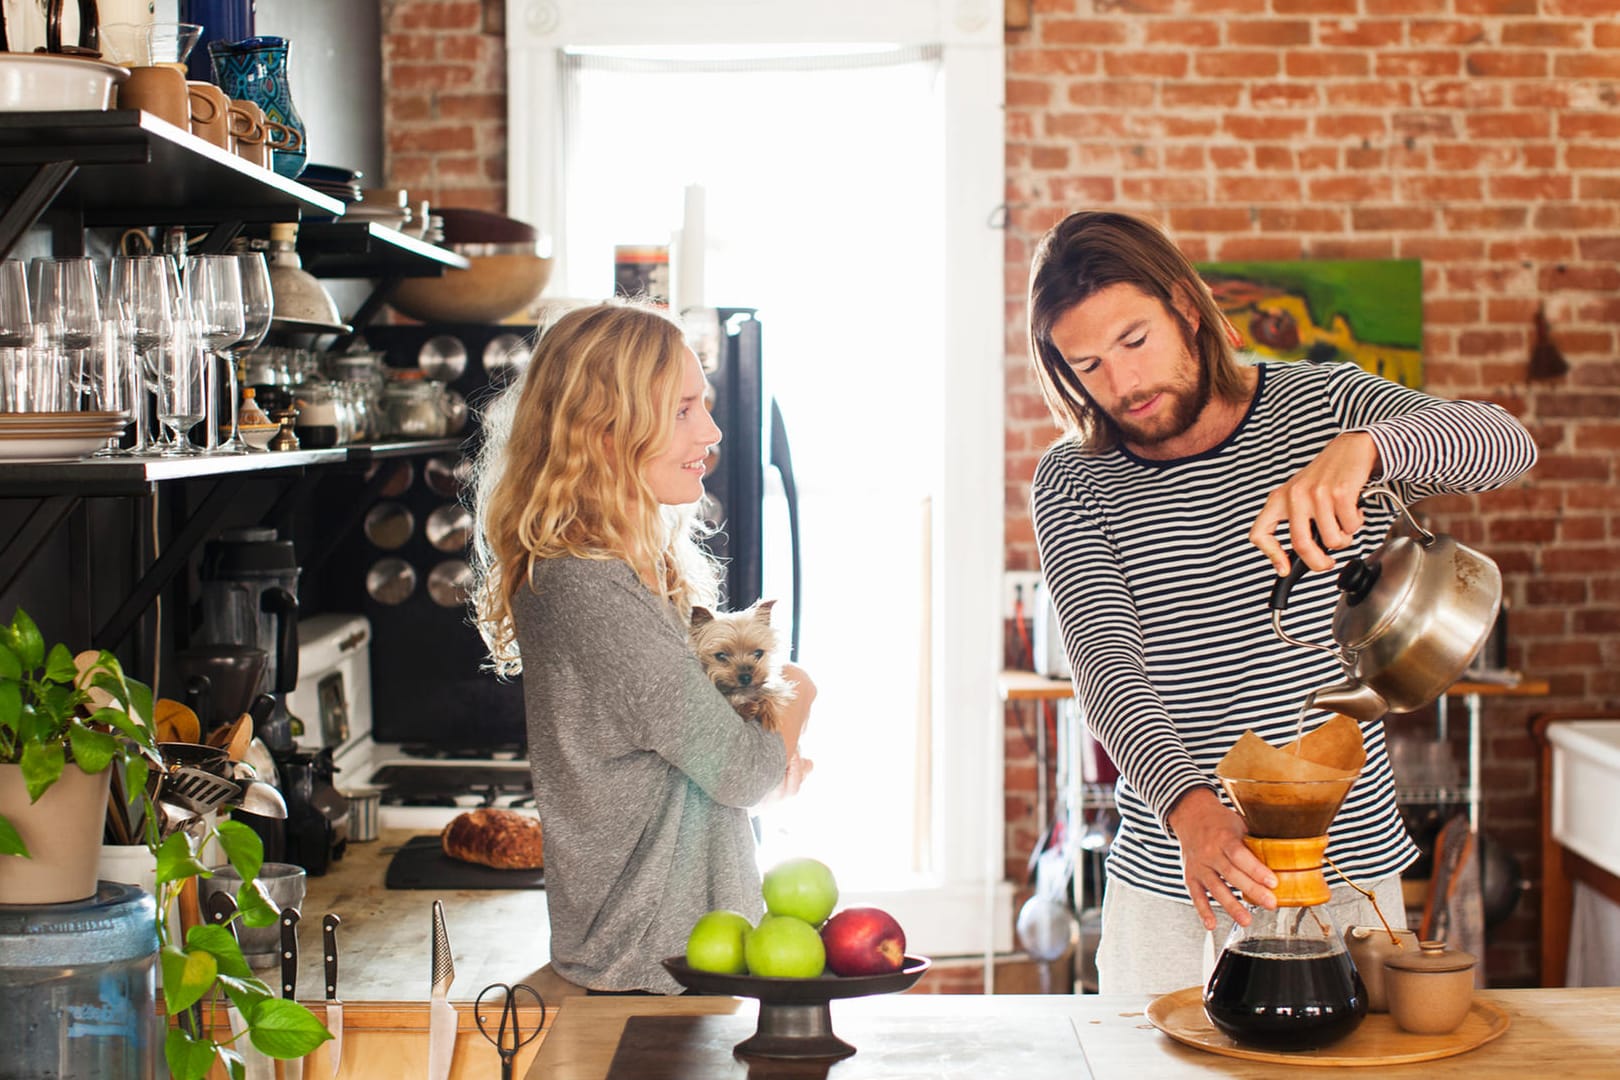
504,839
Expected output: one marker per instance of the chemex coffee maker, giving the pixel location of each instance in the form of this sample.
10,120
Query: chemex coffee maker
1286,981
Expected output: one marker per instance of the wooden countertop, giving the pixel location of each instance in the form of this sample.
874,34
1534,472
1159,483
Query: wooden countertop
1106,1038
385,940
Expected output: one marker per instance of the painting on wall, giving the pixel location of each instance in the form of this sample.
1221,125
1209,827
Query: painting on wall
1360,311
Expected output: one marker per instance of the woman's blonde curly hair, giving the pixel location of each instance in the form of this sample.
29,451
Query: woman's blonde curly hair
561,471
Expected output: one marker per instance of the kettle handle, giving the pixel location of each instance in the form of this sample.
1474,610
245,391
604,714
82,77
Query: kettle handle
1296,566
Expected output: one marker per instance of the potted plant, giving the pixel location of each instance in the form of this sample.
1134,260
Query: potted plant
63,719
63,723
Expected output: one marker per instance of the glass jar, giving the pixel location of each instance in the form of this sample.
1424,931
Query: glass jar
320,424
413,406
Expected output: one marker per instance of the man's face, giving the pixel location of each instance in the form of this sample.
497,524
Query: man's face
1128,352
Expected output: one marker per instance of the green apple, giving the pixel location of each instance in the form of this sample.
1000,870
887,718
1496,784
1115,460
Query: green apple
783,947
802,888
716,943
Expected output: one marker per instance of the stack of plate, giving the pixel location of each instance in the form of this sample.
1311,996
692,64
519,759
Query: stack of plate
56,436
339,183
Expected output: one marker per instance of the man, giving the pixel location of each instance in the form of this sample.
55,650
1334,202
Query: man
1176,458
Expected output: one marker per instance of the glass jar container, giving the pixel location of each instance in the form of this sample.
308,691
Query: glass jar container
320,424
413,406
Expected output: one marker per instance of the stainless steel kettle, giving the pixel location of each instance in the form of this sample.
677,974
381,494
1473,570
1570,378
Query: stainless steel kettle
1411,616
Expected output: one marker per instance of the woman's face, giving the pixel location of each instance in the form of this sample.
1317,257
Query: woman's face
675,475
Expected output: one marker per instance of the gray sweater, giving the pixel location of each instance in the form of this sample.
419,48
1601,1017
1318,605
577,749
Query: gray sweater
642,775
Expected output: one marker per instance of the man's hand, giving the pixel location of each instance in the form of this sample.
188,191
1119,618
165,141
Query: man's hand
1214,859
1323,493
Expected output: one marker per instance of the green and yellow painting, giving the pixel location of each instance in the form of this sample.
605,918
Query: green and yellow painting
1361,311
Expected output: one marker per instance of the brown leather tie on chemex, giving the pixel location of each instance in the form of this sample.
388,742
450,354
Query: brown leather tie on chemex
1288,797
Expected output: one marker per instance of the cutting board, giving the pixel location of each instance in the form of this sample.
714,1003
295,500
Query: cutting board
422,864
699,1048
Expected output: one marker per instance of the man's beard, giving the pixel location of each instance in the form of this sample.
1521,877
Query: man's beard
1188,404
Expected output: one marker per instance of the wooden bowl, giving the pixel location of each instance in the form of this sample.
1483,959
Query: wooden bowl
499,283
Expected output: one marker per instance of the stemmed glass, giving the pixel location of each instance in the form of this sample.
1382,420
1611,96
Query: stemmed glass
182,387
16,331
108,381
256,309
141,301
67,321
213,290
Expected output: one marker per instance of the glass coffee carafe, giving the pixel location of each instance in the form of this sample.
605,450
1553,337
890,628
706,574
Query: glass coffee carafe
1285,981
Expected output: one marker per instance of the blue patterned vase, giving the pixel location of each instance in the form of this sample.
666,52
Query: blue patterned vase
256,70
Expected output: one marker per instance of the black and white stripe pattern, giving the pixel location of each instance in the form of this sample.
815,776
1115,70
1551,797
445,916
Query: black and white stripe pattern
1163,601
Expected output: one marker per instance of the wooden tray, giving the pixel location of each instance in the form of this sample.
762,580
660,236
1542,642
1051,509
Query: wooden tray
1377,1041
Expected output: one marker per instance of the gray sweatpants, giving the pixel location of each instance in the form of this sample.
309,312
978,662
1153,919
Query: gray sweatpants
1153,945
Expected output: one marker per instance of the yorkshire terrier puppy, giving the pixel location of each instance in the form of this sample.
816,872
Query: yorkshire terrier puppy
741,653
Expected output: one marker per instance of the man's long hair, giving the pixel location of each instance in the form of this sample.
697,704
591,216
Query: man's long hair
1087,252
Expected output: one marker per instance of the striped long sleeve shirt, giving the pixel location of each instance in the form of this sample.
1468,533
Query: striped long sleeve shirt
1163,601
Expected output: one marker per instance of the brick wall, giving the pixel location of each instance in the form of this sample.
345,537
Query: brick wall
444,101
1481,136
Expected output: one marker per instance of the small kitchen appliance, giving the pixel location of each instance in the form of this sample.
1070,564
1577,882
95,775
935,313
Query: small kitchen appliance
250,599
333,695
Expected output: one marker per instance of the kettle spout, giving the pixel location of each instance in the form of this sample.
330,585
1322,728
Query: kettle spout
1356,700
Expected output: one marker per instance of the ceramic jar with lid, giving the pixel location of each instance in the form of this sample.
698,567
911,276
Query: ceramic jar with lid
413,406
1370,947
1430,990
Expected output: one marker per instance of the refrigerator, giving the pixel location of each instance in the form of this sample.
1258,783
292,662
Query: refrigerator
739,504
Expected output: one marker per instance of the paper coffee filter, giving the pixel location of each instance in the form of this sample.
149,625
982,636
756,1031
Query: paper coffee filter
1333,751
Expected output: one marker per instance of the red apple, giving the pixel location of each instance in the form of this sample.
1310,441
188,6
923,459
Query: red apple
864,941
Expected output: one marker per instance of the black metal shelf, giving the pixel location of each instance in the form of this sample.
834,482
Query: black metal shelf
365,249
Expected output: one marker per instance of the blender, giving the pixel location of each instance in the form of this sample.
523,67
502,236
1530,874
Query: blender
1286,981
250,600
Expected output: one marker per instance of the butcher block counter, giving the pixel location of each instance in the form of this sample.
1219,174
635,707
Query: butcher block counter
1552,1032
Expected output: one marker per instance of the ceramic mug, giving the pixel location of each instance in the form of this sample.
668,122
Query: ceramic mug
160,91
247,132
281,137
210,113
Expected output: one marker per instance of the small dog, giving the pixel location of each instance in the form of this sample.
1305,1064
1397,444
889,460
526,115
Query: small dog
741,653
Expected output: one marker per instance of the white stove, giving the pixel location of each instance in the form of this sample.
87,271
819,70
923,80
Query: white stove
422,788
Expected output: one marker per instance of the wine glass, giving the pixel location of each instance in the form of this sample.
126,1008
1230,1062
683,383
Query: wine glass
257,304
67,321
141,300
213,291
107,377
16,329
181,365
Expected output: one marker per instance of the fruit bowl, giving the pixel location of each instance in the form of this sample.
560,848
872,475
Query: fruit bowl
795,1020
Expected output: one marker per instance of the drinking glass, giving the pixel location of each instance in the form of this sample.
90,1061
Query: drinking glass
182,387
141,298
67,317
256,309
213,291
107,375
16,329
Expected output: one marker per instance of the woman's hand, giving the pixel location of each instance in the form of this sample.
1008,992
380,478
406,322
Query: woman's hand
1323,493
1214,859
797,714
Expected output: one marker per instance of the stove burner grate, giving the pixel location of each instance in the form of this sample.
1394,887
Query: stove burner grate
448,785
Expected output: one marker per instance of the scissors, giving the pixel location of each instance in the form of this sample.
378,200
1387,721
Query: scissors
508,1037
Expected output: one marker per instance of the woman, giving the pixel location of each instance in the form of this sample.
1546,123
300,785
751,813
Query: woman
589,567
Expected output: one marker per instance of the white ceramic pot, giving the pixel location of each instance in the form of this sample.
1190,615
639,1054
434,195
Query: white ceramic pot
62,832
45,82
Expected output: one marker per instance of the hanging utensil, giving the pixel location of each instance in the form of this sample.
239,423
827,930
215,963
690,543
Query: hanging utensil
441,1014
334,1005
1410,618
507,1035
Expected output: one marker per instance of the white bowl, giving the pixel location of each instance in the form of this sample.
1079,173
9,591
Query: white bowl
45,82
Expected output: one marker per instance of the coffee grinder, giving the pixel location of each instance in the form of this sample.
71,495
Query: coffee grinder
250,599
1286,981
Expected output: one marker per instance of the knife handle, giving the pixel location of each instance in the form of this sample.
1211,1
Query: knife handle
289,952
329,927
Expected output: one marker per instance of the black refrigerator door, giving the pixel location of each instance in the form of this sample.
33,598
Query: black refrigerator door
752,440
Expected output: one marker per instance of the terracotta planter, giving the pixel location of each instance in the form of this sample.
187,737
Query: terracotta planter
63,833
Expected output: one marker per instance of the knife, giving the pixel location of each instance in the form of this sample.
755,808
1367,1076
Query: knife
255,1066
334,1007
293,1068
441,1014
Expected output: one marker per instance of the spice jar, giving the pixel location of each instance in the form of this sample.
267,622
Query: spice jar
413,406
1430,992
